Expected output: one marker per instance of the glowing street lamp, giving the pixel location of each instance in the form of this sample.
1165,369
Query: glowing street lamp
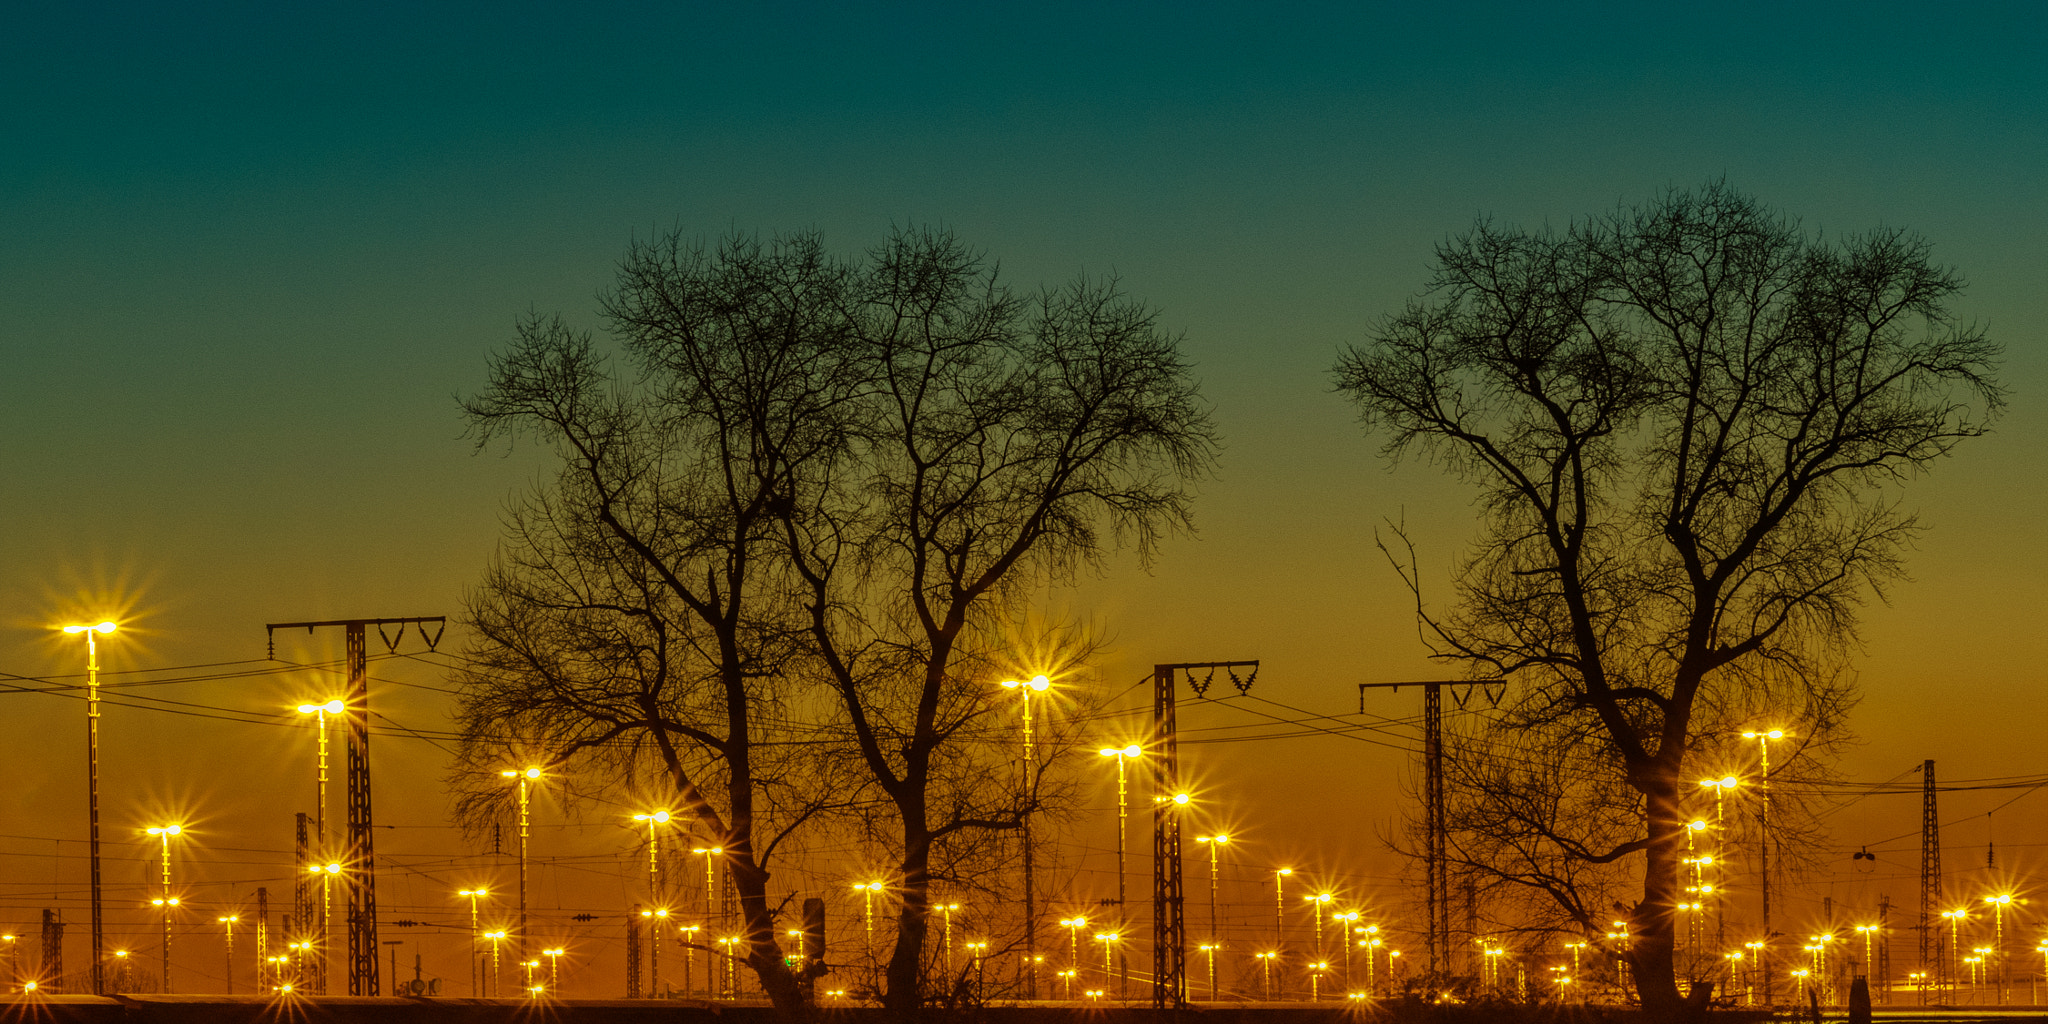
1317,902
1763,737
1266,966
1108,940
524,777
1215,844
167,901
1073,925
868,891
228,922
554,959
656,932
497,943
92,783
1210,949
710,853
1956,918
1998,904
654,819
689,932
946,914
1123,815
476,967
1025,688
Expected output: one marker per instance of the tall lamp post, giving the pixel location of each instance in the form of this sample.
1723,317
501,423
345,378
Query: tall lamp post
1998,904
166,902
524,778
320,713
1763,737
1279,917
229,922
1123,814
92,785
476,966
654,819
1025,688
1215,844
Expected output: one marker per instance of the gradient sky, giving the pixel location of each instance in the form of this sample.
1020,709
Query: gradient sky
250,255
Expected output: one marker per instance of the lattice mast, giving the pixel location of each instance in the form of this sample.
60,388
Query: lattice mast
360,863
1169,925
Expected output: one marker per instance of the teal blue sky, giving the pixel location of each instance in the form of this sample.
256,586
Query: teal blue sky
249,255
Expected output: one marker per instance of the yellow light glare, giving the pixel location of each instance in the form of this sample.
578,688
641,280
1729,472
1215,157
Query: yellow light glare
1039,683
1181,798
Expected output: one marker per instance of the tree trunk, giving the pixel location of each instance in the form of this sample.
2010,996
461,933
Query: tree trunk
904,995
1652,936
764,954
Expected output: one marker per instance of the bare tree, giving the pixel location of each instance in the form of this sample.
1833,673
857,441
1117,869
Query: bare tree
1688,423
1005,442
637,614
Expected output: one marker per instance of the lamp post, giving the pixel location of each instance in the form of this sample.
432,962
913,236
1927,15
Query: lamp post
1210,949
554,958
120,971
979,952
690,959
497,944
1215,844
656,918
327,873
1025,688
166,901
524,777
1108,940
946,915
1266,965
1350,918
868,891
1372,948
654,819
1073,925
1316,903
92,784
476,967
1763,737
1280,910
1998,904
1123,814
1956,918
710,884
229,923
320,713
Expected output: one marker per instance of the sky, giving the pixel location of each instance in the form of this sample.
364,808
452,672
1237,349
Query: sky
251,256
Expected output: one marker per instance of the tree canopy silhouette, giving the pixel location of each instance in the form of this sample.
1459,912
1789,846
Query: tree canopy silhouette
1688,423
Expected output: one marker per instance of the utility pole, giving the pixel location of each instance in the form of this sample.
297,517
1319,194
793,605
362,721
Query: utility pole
1169,927
1436,855
1931,958
361,862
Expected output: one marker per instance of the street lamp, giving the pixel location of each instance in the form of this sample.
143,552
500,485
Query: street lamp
327,873
1317,902
554,957
946,914
229,922
1108,940
524,777
1350,918
167,901
1210,948
1956,918
1025,688
656,918
711,883
654,819
1998,904
1280,909
1763,737
1073,925
1123,814
497,942
868,891
476,967
689,932
92,783
1266,967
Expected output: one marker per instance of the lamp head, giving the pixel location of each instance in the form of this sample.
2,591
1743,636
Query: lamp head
1181,799
104,627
